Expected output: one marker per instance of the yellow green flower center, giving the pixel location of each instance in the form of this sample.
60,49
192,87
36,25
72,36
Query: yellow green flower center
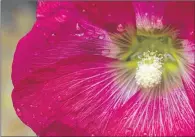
153,54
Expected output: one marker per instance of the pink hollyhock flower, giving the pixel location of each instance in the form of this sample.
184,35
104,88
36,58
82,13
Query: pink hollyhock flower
107,69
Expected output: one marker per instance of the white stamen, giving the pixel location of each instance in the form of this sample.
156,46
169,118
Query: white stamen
149,71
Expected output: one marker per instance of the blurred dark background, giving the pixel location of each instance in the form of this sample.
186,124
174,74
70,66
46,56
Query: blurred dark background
17,18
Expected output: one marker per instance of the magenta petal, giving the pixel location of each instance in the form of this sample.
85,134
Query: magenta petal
181,19
69,93
108,15
49,42
146,115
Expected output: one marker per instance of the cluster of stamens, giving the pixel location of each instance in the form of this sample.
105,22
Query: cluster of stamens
149,70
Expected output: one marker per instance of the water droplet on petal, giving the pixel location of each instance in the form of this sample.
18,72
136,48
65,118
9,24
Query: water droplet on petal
59,98
92,135
191,33
128,131
145,134
63,16
33,116
109,15
77,26
146,14
35,53
40,15
37,25
83,10
53,34
49,108
79,34
101,36
125,117
18,112
120,28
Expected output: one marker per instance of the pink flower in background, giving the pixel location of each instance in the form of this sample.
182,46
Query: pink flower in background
107,69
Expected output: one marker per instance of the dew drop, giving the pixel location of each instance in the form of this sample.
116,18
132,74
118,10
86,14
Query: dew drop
120,28
33,116
145,134
35,53
83,10
49,108
191,33
63,16
92,135
128,131
146,14
19,112
53,34
40,15
79,34
101,36
77,26
37,25
109,15
125,117
59,98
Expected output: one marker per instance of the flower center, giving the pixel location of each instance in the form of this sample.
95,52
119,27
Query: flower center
149,70
135,50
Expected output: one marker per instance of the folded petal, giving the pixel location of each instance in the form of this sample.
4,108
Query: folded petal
79,93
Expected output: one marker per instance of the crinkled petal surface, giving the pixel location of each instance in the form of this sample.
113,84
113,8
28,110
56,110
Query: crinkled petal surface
82,92
66,84
63,30
84,98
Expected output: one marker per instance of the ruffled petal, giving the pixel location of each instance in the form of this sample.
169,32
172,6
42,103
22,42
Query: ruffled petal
80,93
